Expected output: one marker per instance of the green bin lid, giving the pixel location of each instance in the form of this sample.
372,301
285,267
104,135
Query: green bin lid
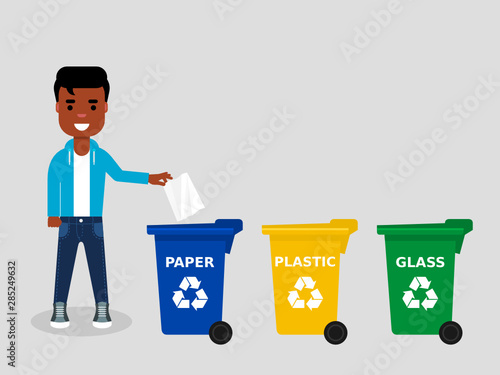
451,227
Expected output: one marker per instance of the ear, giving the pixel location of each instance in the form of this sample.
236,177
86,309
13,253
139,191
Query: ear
105,107
57,107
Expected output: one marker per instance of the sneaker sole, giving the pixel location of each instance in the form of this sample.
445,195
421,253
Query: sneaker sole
59,325
102,325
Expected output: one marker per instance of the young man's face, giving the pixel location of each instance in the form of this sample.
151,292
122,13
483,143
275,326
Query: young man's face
82,114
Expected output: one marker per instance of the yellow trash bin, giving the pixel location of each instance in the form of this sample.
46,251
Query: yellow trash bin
305,263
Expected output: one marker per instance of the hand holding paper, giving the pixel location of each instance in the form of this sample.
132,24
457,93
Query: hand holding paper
159,179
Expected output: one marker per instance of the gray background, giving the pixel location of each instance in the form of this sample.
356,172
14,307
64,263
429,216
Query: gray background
227,74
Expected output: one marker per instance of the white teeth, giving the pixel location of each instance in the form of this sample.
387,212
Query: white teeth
81,127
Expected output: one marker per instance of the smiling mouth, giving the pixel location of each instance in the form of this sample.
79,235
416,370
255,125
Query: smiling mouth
81,127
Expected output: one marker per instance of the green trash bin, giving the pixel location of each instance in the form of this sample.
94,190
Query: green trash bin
420,272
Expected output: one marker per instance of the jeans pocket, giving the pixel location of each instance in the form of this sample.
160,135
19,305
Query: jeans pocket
97,230
63,230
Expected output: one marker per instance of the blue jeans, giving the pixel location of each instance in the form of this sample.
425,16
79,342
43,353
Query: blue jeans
72,231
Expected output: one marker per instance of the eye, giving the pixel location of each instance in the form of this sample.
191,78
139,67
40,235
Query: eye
70,107
93,107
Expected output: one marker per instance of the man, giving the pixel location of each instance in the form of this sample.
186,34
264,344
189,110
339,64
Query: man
76,185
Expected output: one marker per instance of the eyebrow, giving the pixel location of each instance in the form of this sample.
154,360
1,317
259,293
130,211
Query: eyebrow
70,101
92,100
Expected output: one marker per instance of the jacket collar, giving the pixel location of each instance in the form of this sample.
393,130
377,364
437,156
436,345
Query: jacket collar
93,145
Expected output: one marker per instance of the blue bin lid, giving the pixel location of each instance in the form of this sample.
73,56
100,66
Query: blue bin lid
221,227
221,230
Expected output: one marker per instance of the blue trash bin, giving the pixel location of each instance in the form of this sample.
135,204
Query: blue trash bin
190,262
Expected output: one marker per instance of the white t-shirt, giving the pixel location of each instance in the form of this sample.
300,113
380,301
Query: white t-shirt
81,185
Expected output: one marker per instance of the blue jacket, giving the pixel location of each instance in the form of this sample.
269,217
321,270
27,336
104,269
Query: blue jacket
60,179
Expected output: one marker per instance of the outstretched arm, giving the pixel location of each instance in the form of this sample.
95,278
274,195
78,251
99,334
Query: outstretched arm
118,174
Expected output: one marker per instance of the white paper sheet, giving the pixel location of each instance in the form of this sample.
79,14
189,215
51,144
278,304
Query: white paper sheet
183,197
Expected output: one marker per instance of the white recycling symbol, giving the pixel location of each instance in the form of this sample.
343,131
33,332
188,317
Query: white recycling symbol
315,299
200,299
429,301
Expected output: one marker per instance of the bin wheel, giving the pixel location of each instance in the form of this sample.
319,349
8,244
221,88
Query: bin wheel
335,333
450,332
220,333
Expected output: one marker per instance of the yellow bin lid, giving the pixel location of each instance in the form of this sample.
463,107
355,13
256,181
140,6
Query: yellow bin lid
336,227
